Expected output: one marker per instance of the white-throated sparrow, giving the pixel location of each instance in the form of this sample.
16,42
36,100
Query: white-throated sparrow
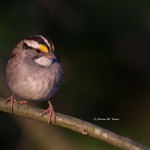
34,72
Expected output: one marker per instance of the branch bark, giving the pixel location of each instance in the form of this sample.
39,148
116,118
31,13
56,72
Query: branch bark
75,125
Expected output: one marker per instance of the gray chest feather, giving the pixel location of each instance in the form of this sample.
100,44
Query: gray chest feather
34,82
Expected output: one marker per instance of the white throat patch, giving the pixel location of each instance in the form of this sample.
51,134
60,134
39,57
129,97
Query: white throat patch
43,61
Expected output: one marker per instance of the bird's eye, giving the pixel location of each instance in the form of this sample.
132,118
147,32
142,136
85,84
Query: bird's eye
38,51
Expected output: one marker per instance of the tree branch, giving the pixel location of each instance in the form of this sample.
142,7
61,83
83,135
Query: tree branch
75,125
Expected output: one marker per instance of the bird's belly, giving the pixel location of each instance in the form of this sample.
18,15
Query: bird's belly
33,82
32,89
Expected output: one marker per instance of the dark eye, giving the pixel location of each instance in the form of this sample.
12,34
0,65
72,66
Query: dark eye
37,50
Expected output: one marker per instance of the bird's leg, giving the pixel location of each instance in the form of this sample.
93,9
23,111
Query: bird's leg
51,112
23,102
12,101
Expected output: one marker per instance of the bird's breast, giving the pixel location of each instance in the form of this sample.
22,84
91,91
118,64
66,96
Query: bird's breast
34,82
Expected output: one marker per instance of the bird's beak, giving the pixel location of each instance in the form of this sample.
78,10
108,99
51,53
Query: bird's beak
50,55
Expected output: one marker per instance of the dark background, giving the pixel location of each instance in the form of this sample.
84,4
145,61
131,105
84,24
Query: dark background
105,49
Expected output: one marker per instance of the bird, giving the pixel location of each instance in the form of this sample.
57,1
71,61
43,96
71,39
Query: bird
34,72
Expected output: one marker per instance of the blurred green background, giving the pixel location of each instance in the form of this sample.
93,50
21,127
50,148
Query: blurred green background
105,49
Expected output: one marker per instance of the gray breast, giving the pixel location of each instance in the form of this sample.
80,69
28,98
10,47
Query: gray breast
33,82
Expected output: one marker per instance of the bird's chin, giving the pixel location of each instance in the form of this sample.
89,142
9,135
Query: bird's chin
43,61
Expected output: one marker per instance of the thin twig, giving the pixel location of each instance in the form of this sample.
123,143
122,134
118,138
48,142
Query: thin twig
76,125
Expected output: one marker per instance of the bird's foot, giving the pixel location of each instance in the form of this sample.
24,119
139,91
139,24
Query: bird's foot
12,101
23,102
51,112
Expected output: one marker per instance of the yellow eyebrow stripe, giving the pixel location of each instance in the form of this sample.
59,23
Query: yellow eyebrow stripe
43,48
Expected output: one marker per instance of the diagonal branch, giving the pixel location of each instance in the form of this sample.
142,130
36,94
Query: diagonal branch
75,125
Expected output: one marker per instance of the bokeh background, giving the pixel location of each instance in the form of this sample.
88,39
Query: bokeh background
105,50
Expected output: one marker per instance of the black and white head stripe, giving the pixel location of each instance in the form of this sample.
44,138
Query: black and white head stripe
36,40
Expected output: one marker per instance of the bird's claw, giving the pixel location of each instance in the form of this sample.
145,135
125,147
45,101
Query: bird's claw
51,112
